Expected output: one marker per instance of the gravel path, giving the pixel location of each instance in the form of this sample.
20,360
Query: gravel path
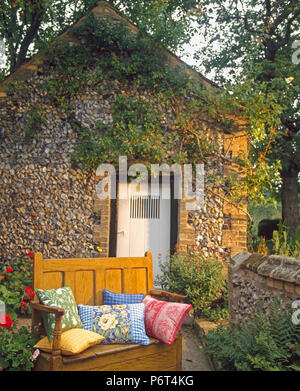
193,359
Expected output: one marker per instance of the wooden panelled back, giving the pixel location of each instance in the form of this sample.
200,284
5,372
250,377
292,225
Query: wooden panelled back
87,277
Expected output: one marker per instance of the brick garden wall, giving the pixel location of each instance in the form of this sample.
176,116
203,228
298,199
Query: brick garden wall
254,277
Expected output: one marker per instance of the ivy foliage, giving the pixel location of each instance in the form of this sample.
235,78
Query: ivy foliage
161,112
106,51
117,53
35,119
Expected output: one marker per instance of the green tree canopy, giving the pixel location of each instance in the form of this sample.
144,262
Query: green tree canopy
251,49
27,25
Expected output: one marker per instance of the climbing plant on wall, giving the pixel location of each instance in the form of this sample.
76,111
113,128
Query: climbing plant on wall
161,113
139,129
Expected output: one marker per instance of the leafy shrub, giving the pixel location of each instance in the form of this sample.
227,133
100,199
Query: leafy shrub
15,286
200,278
269,342
218,310
286,245
16,348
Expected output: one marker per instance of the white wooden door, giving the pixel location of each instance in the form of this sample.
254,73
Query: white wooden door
144,223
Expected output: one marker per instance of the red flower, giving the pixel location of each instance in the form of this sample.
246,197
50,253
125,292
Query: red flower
198,266
2,277
31,295
28,289
176,245
172,265
9,270
6,321
30,254
24,305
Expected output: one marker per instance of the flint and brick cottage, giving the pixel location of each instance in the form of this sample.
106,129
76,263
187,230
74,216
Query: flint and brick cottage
50,205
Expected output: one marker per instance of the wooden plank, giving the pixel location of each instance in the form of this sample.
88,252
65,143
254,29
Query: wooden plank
72,265
152,357
135,280
178,342
129,280
53,280
141,280
95,263
84,287
154,362
113,280
148,256
69,279
38,271
99,286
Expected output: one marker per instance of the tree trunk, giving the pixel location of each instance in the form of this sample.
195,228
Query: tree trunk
289,199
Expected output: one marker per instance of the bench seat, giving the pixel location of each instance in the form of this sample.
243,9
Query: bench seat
154,357
87,277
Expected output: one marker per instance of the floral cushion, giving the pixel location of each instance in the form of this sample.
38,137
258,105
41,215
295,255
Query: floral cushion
118,324
163,319
62,298
110,298
73,341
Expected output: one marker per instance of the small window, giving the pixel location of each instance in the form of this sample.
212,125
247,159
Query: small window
144,207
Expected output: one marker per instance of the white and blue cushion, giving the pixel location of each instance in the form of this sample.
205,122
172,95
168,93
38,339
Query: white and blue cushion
118,324
111,298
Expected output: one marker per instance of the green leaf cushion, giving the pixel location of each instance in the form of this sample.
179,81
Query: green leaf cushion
62,298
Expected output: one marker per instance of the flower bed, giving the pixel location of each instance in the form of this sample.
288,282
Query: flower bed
16,341
16,287
16,347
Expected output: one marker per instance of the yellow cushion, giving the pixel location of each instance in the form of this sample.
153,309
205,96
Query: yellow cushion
73,341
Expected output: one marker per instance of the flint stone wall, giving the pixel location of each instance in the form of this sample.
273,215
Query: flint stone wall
255,277
47,204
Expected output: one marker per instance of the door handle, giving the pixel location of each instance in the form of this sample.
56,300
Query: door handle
122,232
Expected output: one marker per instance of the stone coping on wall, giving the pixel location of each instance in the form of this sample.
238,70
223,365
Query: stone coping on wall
273,266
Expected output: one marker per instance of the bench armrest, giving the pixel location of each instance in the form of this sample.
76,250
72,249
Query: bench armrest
58,312
45,308
174,296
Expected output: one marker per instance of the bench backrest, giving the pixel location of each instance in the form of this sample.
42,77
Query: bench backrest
88,276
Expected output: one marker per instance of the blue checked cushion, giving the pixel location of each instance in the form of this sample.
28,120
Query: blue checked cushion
111,298
118,324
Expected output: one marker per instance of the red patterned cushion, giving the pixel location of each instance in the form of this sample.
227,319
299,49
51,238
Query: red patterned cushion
163,319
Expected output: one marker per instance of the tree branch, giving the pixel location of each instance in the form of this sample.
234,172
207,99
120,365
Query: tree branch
288,30
31,33
248,28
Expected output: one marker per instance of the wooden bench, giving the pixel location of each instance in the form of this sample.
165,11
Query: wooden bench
87,278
